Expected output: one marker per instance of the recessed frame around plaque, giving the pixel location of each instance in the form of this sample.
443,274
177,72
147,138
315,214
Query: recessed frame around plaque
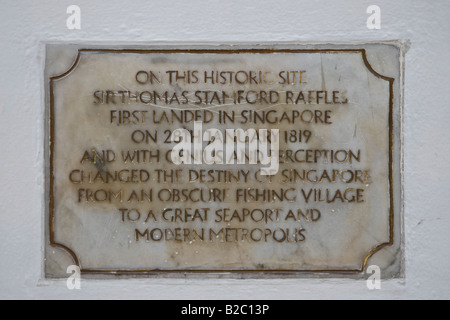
123,63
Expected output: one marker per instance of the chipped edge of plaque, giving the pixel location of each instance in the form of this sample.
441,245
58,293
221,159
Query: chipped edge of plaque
228,49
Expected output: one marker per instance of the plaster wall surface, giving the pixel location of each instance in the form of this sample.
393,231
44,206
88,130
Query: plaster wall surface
27,25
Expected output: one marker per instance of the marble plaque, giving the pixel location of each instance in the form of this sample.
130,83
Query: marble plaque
237,160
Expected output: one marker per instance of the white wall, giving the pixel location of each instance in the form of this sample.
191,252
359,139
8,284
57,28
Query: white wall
27,25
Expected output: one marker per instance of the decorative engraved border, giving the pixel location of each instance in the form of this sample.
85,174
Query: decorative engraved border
221,271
